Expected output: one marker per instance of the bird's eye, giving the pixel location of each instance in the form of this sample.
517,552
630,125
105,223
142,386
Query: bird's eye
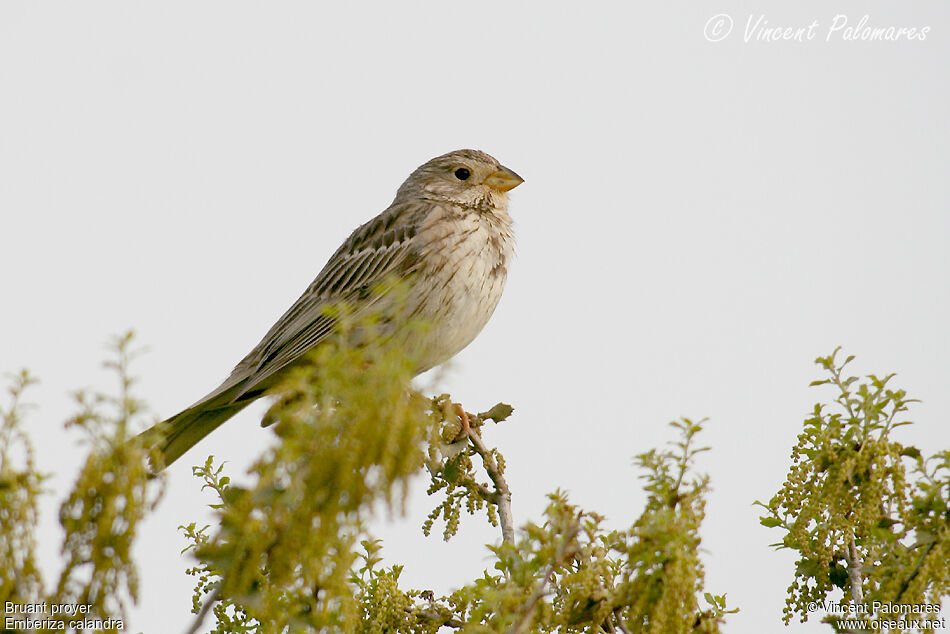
462,174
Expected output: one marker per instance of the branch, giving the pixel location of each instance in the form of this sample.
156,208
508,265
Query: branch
433,616
196,625
502,494
620,625
528,608
913,575
540,589
854,572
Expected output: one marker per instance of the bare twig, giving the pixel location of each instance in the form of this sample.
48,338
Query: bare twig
433,616
916,571
502,494
196,624
527,610
854,572
620,625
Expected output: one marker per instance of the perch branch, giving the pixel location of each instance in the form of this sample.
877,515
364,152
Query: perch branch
502,494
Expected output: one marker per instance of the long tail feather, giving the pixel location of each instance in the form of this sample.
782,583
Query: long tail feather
191,425
185,429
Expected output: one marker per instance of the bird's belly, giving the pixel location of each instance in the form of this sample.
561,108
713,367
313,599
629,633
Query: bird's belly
461,297
466,311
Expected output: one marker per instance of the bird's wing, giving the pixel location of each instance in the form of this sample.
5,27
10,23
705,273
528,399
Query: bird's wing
374,252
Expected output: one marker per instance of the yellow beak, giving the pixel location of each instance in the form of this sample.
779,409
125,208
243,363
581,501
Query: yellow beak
503,180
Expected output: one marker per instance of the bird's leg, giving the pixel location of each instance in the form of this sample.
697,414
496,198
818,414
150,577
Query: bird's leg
466,426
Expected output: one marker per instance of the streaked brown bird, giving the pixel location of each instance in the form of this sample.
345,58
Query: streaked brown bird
447,237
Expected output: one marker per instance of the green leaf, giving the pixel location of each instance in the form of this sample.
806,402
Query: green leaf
838,575
911,452
498,413
451,471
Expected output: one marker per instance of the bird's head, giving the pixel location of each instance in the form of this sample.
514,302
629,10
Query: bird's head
466,177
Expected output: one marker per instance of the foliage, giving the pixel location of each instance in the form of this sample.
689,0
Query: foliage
290,551
100,514
453,471
20,487
567,574
848,506
350,435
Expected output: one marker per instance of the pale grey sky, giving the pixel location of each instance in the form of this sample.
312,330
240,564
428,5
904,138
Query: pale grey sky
699,221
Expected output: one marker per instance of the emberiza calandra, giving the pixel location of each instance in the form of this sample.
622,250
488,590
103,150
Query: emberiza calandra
447,236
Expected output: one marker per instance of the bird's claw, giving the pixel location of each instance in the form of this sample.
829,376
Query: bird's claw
466,425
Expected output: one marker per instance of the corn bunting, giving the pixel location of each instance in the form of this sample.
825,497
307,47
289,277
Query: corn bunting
447,236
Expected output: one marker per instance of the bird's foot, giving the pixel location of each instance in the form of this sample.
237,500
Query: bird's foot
466,425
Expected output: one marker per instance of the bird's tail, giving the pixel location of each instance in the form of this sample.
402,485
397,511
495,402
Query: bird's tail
185,429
